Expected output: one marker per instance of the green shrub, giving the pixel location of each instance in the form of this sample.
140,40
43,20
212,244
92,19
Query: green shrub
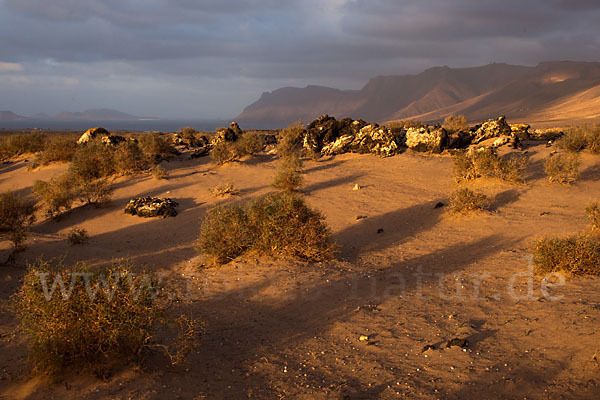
290,140
464,201
562,168
593,213
279,224
455,123
156,146
96,191
485,163
575,139
57,150
577,254
221,152
16,213
247,144
78,236
90,326
288,176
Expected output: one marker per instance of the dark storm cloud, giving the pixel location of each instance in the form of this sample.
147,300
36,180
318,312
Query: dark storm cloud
255,45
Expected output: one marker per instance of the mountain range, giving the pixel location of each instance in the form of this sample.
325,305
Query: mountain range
551,93
102,114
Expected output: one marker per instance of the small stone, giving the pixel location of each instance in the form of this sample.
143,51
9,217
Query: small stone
363,338
356,187
380,230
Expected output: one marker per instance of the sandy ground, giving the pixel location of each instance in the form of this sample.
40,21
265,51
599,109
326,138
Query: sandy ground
286,329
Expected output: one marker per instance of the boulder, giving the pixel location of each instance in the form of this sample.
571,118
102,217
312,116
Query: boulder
230,134
151,207
492,129
520,130
91,134
426,140
113,140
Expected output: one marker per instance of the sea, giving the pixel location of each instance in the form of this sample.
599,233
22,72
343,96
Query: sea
150,125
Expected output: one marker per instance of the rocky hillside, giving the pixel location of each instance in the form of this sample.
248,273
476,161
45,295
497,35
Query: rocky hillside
549,92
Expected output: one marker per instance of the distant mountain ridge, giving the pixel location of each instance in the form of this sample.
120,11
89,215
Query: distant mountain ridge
551,92
102,114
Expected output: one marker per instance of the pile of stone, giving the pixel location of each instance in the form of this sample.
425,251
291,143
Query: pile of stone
149,207
426,139
328,136
230,134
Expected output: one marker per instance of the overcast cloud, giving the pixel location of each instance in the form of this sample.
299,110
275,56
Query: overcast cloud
208,59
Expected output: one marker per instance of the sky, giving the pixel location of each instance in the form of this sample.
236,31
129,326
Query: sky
209,59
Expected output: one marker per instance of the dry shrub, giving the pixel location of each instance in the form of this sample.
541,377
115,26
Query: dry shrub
129,159
14,145
83,317
593,214
158,172
59,149
16,213
464,201
405,124
455,123
224,190
247,144
156,147
279,224
578,255
485,163
290,140
575,139
563,167
93,160
78,236
288,176
593,139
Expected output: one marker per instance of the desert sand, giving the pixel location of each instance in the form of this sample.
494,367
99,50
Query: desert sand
290,329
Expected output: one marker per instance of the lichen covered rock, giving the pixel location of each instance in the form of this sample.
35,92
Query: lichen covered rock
91,134
492,129
426,140
148,207
113,140
520,130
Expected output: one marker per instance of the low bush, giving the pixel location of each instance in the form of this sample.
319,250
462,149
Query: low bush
59,149
16,213
290,140
81,317
485,163
78,236
159,172
14,145
577,255
129,159
593,213
593,139
288,176
58,194
575,139
247,144
224,190
464,201
156,146
93,160
562,167
455,123
279,224
405,124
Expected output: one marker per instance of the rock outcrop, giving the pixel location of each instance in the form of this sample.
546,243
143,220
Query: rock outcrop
426,139
148,207
230,134
492,129
328,136
520,130
113,140
91,134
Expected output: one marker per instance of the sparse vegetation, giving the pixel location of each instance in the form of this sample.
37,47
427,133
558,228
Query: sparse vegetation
57,193
593,213
59,149
83,317
158,172
563,167
78,236
156,147
290,140
129,159
578,255
15,145
455,123
247,144
578,138
288,176
464,201
16,213
405,124
486,163
225,190
279,224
